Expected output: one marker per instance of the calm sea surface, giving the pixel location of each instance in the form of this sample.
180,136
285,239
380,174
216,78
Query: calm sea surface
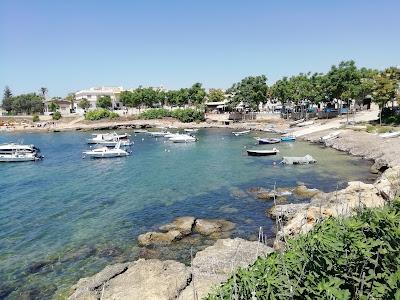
66,217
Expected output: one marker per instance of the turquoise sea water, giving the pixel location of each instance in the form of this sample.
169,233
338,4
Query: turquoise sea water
66,217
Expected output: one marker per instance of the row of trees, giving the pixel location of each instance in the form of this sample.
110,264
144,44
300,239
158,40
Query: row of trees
345,82
150,97
26,103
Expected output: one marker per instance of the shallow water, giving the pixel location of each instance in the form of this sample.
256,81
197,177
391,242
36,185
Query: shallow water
67,217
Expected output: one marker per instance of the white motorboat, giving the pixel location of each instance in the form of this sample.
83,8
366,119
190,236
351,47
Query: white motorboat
113,143
190,130
100,138
105,152
18,152
159,133
171,135
183,138
237,133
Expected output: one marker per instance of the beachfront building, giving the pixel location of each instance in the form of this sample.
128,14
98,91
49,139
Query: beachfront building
64,106
94,93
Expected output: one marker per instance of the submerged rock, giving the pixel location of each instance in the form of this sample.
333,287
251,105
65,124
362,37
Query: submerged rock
211,226
39,266
183,224
159,238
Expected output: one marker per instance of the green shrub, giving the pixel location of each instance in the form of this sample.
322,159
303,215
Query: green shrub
383,129
184,115
343,258
56,115
370,128
100,113
35,118
155,113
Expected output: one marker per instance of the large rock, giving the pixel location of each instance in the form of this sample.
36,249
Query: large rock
164,280
159,238
149,280
388,184
302,191
286,211
183,224
88,288
216,263
212,226
344,202
143,279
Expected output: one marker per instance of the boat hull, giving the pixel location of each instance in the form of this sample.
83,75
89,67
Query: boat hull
264,142
261,153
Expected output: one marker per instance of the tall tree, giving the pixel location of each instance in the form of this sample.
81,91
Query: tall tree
386,88
104,102
251,91
196,93
216,95
43,92
7,99
84,104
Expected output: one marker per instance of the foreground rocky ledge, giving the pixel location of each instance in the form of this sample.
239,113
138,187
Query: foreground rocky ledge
293,219
158,280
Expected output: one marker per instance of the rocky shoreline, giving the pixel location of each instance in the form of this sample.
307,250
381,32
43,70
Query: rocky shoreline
157,279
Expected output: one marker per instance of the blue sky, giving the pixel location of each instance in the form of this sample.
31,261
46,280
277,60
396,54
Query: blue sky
70,45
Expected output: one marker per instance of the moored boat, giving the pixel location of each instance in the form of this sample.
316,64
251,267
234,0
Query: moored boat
105,152
264,152
100,138
190,130
330,136
302,124
183,138
302,160
237,133
268,140
12,152
289,138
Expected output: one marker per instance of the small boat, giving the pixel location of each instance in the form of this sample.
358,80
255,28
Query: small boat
190,130
390,134
289,138
268,140
159,133
18,152
106,137
105,152
237,133
303,160
273,151
330,136
183,138
171,135
302,124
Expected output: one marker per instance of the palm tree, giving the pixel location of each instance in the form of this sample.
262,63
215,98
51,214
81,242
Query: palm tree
43,91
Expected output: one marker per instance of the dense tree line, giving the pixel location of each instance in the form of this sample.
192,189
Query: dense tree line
344,81
22,104
151,97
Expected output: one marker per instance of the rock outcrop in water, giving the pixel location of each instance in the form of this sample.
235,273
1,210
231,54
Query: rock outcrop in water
184,226
158,280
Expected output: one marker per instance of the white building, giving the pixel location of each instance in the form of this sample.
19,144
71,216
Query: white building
94,93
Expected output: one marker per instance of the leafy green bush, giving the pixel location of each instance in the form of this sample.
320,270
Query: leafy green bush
35,118
56,115
370,128
184,115
155,113
100,113
343,258
391,116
